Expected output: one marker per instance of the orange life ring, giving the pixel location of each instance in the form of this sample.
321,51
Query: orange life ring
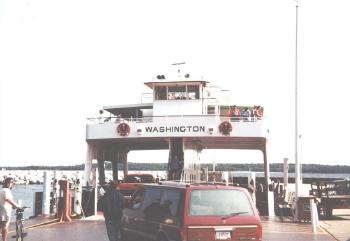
123,129
225,127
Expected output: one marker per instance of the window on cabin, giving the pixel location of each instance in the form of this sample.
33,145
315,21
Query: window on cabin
193,92
211,110
224,109
177,92
161,93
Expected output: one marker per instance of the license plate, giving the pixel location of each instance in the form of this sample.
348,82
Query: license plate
223,235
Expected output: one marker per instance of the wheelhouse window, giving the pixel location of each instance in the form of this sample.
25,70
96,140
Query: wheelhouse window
193,92
161,93
177,92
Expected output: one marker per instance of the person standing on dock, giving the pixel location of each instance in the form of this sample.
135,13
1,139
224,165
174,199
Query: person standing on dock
112,205
175,168
6,205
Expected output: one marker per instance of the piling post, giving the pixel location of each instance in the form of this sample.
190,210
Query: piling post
56,194
314,215
95,184
78,194
65,211
46,194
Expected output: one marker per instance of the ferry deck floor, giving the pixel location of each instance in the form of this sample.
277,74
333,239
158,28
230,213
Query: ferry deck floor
93,228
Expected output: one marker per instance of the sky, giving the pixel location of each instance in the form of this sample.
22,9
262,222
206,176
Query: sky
62,61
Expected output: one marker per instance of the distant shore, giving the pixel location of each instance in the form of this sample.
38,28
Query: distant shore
36,176
274,167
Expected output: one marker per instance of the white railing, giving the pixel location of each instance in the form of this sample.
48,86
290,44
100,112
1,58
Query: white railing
159,119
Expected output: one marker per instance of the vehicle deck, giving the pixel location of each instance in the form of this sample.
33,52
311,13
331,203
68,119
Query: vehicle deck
93,228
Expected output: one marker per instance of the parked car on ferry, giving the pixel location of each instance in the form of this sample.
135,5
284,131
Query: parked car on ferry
171,211
132,182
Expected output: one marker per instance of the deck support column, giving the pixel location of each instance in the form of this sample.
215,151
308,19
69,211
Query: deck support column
90,155
101,167
125,165
176,158
123,157
270,194
114,161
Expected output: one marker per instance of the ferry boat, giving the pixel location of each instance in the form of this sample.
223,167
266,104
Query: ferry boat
184,116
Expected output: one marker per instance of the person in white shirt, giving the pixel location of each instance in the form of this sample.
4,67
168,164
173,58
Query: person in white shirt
6,205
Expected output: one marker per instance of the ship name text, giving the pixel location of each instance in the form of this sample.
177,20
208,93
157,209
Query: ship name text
166,129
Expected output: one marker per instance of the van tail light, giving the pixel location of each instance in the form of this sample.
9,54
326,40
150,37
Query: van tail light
183,233
259,232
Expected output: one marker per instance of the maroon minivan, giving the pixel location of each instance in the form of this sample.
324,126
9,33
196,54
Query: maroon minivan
171,211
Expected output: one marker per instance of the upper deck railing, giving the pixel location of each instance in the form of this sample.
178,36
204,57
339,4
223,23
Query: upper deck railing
147,119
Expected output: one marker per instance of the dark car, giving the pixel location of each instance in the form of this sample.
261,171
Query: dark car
190,212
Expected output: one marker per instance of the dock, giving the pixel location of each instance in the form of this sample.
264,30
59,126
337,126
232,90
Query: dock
274,229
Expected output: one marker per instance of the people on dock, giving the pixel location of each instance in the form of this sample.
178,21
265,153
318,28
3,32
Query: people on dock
258,113
175,168
112,204
6,205
234,113
246,114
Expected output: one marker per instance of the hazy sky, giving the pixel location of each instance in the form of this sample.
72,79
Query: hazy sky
62,61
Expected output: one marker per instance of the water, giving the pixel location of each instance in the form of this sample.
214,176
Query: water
25,193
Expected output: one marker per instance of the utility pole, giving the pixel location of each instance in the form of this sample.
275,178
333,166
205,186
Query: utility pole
298,178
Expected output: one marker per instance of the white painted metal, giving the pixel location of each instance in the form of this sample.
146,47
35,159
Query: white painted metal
88,165
314,215
78,194
177,107
298,180
199,126
46,194
271,203
95,185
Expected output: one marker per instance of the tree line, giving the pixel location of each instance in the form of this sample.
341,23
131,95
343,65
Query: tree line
274,167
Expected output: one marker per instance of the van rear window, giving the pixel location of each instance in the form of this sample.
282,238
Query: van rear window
139,179
219,203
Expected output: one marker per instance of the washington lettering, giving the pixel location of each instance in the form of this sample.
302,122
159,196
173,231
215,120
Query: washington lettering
162,129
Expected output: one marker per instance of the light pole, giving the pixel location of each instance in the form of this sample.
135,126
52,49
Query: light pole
298,178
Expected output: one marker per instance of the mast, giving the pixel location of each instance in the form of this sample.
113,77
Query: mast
296,131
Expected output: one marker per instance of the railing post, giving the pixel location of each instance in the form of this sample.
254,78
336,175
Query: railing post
314,215
46,194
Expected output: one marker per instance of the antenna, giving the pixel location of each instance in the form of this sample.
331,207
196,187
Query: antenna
178,64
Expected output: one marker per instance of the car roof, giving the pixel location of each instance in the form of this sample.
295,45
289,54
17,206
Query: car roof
198,185
139,174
